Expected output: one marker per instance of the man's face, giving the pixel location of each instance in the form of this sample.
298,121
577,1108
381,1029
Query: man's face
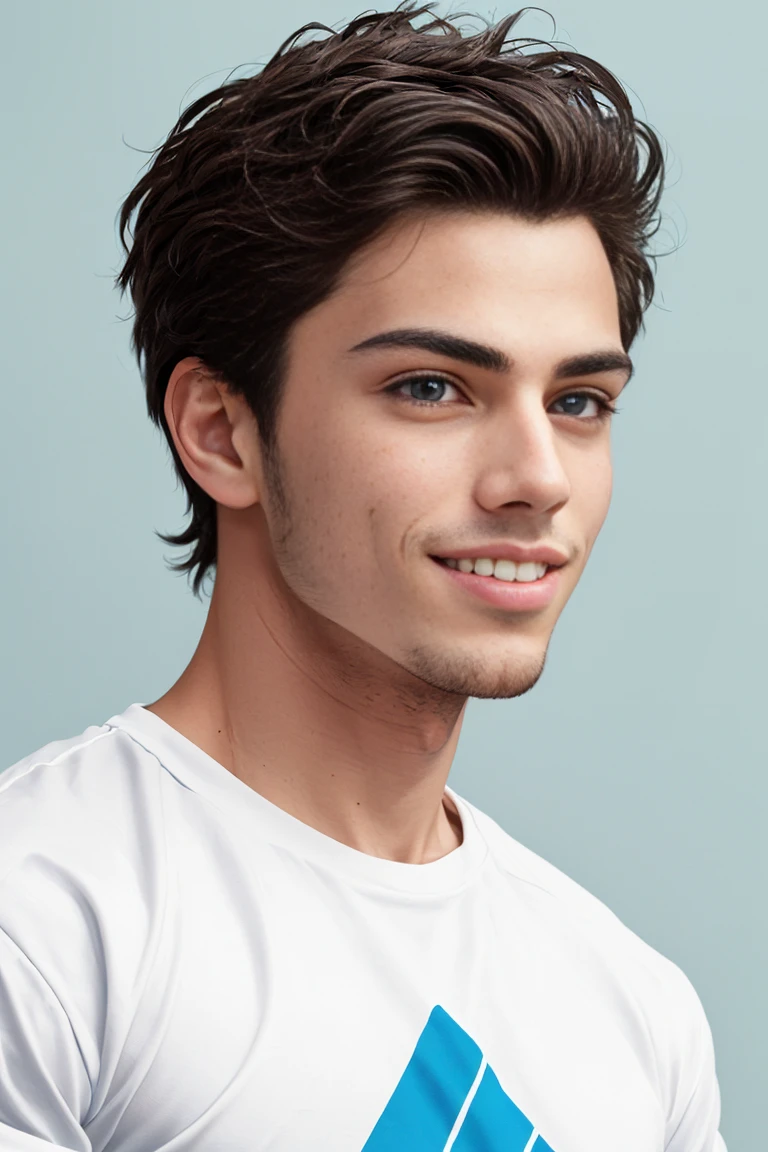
377,485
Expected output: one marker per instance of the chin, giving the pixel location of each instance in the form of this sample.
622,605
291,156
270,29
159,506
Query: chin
496,678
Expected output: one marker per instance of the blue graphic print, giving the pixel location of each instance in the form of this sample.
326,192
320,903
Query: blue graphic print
423,1109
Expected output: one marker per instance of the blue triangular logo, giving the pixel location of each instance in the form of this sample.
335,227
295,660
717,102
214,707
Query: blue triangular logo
428,1105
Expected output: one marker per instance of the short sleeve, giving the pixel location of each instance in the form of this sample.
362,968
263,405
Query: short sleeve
44,1085
83,875
695,1122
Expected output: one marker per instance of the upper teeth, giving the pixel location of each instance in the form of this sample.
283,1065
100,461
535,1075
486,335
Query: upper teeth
501,569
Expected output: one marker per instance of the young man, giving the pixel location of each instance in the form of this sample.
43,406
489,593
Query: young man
384,295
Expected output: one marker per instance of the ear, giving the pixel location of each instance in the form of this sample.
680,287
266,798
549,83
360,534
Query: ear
215,434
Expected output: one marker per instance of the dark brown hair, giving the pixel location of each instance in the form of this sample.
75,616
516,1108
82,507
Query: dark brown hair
265,187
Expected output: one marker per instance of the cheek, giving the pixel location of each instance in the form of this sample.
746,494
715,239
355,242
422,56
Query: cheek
343,497
595,483
367,472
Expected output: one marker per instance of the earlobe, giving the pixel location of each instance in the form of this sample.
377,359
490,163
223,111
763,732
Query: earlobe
204,421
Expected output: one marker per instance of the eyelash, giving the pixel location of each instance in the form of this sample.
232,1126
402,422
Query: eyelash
606,407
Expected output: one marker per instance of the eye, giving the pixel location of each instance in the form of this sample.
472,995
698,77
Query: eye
584,406
429,389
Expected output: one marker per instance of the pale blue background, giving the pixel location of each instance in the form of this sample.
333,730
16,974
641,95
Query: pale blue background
638,763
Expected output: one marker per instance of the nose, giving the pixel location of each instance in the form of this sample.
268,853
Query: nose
521,461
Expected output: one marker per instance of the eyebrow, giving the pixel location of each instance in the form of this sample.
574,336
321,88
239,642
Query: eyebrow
484,356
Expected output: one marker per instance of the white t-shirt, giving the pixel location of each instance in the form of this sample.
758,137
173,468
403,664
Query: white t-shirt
184,966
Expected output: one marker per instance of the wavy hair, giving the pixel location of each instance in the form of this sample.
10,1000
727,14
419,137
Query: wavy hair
265,187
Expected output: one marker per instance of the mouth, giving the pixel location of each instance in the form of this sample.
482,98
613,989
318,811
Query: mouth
516,587
508,571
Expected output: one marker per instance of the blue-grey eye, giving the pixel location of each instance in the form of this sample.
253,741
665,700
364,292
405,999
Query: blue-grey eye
577,403
574,404
424,387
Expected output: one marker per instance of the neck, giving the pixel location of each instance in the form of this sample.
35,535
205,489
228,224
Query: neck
320,724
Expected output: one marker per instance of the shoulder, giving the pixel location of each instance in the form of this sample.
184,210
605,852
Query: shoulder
562,899
83,887
76,796
84,875
82,827
648,988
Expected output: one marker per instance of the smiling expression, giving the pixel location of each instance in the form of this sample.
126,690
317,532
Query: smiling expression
450,399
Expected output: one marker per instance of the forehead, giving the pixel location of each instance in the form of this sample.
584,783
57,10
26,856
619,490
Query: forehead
538,288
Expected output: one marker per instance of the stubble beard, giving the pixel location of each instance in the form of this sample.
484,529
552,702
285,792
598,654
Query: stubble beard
459,674
454,674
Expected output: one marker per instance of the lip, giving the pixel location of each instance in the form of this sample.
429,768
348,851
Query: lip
514,596
517,552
